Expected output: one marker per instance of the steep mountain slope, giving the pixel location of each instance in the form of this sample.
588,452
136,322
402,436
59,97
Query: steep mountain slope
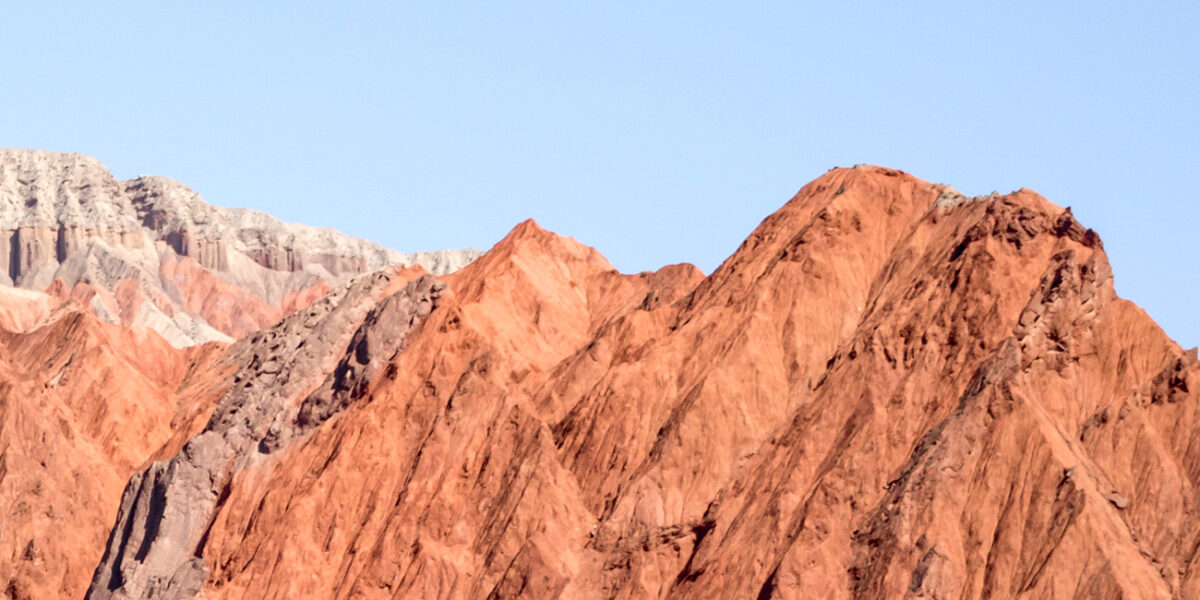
83,404
889,390
151,252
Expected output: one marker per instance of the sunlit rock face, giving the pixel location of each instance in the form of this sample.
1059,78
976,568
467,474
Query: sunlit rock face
886,391
151,252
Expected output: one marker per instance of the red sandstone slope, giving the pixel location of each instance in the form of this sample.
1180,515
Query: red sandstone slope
453,468
887,391
83,404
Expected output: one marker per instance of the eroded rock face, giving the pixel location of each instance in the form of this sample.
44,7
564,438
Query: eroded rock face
167,509
151,252
887,391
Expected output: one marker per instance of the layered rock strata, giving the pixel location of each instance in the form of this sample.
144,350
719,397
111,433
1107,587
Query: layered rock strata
151,252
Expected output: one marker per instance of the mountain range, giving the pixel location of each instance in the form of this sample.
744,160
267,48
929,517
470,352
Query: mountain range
151,252
889,390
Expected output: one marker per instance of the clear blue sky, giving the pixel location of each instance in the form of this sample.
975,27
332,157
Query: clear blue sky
657,132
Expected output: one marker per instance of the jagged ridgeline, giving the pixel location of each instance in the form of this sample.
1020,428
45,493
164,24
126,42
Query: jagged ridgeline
150,251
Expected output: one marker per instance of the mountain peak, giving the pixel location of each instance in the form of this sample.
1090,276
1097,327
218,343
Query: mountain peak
527,228
529,241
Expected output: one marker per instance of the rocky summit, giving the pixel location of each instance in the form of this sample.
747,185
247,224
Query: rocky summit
889,390
150,252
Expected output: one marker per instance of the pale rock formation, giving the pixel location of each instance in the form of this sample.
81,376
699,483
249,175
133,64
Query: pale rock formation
192,271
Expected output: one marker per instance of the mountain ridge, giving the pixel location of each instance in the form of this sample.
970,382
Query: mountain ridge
888,390
76,230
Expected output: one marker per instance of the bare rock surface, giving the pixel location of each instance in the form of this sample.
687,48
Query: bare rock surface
879,395
888,391
151,252
83,404
166,509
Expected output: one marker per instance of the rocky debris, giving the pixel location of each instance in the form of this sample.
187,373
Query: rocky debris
949,197
192,271
1117,500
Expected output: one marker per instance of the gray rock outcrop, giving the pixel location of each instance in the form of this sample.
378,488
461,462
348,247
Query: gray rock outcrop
167,509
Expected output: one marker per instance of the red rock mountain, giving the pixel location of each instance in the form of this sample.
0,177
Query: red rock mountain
888,391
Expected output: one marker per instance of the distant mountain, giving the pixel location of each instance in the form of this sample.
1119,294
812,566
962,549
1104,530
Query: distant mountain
151,252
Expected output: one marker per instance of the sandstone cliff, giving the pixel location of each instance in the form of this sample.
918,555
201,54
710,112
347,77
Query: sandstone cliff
151,252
